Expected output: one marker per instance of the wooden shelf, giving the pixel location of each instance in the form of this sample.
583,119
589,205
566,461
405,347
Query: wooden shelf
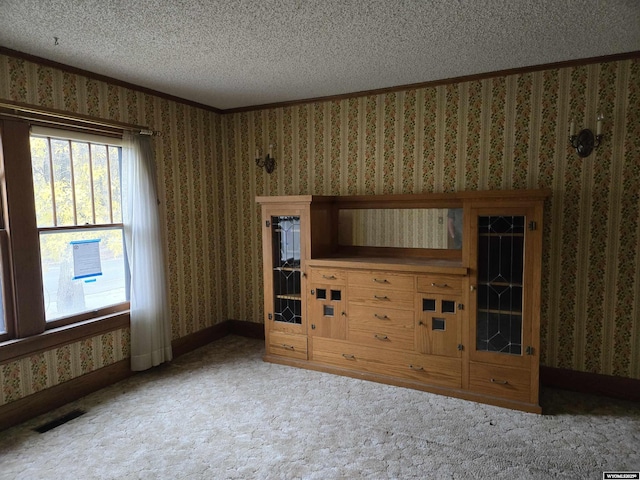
501,312
500,284
290,296
287,269
406,264
521,235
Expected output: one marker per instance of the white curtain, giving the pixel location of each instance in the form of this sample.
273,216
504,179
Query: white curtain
150,322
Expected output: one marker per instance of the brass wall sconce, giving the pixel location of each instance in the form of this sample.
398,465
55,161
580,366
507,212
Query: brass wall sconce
269,162
585,141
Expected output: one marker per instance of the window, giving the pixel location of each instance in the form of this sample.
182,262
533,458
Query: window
62,252
78,207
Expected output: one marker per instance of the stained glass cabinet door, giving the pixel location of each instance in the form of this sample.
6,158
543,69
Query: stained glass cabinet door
285,305
501,322
287,272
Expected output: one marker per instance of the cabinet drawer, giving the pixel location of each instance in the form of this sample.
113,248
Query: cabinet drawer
382,297
287,345
446,372
328,276
445,284
399,337
499,381
364,316
350,355
382,280
432,369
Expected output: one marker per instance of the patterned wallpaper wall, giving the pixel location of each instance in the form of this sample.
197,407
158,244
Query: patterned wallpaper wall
500,133
191,193
406,228
505,132
39,371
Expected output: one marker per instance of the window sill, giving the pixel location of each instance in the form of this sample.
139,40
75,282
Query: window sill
22,347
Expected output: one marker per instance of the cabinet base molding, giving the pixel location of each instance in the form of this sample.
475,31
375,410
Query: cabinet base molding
395,381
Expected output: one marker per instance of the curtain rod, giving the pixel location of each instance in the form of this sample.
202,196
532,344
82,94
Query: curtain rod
56,117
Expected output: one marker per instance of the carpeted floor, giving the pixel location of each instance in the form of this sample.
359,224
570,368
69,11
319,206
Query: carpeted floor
220,412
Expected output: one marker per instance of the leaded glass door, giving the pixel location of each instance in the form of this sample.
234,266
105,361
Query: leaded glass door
500,326
285,308
285,231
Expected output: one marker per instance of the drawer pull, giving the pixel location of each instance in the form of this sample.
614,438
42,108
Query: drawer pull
381,317
381,297
349,356
499,382
381,280
288,347
381,337
439,285
417,368
329,277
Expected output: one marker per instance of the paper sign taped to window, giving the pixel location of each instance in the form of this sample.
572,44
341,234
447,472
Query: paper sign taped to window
86,258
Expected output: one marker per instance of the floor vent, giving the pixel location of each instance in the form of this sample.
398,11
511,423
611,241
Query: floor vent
59,421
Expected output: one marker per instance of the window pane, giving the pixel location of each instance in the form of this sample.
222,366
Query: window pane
76,183
116,196
42,181
64,296
62,182
82,180
101,184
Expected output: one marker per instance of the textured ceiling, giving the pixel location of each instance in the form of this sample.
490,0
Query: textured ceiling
229,54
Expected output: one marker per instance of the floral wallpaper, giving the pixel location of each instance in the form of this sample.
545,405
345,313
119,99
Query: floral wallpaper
188,154
406,228
502,132
36,372
498,133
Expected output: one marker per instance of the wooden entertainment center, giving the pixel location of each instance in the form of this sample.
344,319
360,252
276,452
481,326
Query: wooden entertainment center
438,292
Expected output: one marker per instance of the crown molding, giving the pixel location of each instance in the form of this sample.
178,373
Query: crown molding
447,81
364,93
104,78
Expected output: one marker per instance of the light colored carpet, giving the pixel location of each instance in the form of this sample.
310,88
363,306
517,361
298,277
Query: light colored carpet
220,412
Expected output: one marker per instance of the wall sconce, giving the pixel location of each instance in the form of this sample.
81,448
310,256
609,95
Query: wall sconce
585,141
269,162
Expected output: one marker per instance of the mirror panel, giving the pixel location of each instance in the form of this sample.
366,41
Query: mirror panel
434,228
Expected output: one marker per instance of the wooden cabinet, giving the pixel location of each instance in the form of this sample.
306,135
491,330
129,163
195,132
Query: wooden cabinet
287,230
505,296
459,318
